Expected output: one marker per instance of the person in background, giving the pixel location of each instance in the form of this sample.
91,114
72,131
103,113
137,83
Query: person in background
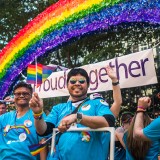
17,130
9,99
150,132
120,152
140,147
3,107
79,111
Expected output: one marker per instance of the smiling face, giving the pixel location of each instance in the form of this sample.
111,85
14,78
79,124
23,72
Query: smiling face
22,96
77,87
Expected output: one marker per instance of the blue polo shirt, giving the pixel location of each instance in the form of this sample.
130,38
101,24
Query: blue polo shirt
14,141
81,145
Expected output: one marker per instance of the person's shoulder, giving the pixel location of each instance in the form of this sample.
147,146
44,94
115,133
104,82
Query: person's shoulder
156,120
158,117
98,99
10,112
7,114
60,105
94,96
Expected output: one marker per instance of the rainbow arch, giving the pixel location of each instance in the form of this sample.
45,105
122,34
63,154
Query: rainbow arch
63,21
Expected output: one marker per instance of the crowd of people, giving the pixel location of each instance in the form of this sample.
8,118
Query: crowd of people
136,139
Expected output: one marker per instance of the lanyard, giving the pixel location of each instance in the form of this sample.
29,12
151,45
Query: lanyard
73,112
79,106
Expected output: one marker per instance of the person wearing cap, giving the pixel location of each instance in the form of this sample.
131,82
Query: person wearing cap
79,111
3,107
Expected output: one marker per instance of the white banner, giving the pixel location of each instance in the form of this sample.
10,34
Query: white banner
132,70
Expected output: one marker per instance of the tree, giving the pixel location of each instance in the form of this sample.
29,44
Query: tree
15,14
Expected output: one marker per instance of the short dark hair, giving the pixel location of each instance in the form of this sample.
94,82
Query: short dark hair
75,71
23,84
1,102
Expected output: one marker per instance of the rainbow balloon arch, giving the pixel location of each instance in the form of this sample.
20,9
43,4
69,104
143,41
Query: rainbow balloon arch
64,21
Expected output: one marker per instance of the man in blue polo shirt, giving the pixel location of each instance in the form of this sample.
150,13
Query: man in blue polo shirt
79,111
17,130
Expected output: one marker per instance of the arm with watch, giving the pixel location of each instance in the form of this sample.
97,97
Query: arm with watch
41,126
96,121
89,121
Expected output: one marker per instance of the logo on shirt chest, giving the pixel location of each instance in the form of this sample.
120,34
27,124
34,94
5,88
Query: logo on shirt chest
103,102
86,107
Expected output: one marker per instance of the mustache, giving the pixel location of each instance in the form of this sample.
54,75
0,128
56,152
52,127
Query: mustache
74,87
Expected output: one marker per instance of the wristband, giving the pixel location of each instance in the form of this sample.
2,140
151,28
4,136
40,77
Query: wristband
115,83
38,116
141,110
141,107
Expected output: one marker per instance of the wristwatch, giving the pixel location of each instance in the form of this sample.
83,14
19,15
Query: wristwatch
115,83
79,117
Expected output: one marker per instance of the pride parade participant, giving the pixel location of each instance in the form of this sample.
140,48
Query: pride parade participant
80,111
120,152
17,130
149,132
152,131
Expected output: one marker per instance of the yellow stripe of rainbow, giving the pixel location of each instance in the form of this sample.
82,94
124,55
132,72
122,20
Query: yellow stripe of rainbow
27,131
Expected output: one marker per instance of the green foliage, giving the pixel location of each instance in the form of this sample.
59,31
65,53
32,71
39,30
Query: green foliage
15,14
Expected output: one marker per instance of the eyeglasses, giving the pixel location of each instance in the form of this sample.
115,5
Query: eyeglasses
24,94
73,81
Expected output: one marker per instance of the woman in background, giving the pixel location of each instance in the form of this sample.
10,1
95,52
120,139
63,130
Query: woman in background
139,149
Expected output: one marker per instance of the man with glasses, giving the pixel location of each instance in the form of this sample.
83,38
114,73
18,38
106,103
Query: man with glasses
17,130
79,111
